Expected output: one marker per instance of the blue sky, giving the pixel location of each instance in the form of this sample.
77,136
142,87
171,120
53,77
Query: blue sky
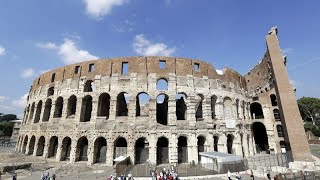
39,35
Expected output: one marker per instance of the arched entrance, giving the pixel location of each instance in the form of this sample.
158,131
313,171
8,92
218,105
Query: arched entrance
53,146
141,151
66,148
230,143
120,147
82,149
100,150
182,149
40,148
260,136
201,147
31,145
162,150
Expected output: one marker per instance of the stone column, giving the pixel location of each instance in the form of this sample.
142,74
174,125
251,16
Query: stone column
113,106
209,144
53,107
172,83
222,143
219,108
64,109
192,111
152,149
73,151
42,111
94,111
90,152
173,149
110,149
193,147
241,115
237,145
245,145
153,109
28,144
59,150
131,150
36,146
46,148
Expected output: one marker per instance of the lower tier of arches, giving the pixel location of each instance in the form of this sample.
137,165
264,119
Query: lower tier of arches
152,148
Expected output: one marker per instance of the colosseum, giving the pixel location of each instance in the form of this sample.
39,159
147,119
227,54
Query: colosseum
162,110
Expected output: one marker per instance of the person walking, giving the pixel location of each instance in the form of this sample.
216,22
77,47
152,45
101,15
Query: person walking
54,176
14,177
251,176
229,175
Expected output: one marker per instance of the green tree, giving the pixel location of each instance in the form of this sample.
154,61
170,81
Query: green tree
309,108
8,117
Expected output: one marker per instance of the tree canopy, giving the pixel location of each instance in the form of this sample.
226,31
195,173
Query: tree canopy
309,108
7,117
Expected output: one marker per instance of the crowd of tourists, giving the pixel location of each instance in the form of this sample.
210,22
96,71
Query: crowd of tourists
48,177
165,174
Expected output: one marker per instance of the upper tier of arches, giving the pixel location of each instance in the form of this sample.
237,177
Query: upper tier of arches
162,66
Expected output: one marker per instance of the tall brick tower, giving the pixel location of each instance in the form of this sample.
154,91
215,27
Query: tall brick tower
295,137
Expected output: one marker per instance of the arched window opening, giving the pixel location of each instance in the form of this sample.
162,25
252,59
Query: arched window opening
25,143
104,105
100,150
31,145
162,150
82,149
182,149
215,142
53,147
31,112
199,101
142,104
181,107
201,146
162,109
47,109
38,112
122,104
227,108
283,146
86,109
256,111
88,86
65,149
162,84
120,147
280,131
213,106
58,108
72,106
40,149
273,99
50,91
141,151
260,137
276,115
230,143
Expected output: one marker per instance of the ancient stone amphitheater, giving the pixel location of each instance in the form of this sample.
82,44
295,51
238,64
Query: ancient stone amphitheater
152,109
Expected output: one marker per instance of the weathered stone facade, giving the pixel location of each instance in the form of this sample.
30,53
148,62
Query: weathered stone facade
95,111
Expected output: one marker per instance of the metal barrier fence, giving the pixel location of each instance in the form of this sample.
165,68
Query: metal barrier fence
269,160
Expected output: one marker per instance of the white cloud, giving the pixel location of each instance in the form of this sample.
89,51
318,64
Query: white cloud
2,99
21,102
68,51
219,71
287,50
2,51
100,8
26,73
144,47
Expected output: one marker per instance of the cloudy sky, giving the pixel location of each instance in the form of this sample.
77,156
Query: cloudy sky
39,35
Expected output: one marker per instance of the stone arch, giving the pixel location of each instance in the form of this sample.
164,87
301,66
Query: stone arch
142,104
213,101
50,91
162,150
65,149
201,146
280,131
230,139
215,143
38,112
227,107
199,109
104,105
182,149
120,147
31,112
24,145
88,86
162,109
256,111
53,147
82,149
72,105
276,114
141,152
47,110
273,99
122,104
58,108
100,150
31,145
162,84
41,144
86,109
260,136
181,106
